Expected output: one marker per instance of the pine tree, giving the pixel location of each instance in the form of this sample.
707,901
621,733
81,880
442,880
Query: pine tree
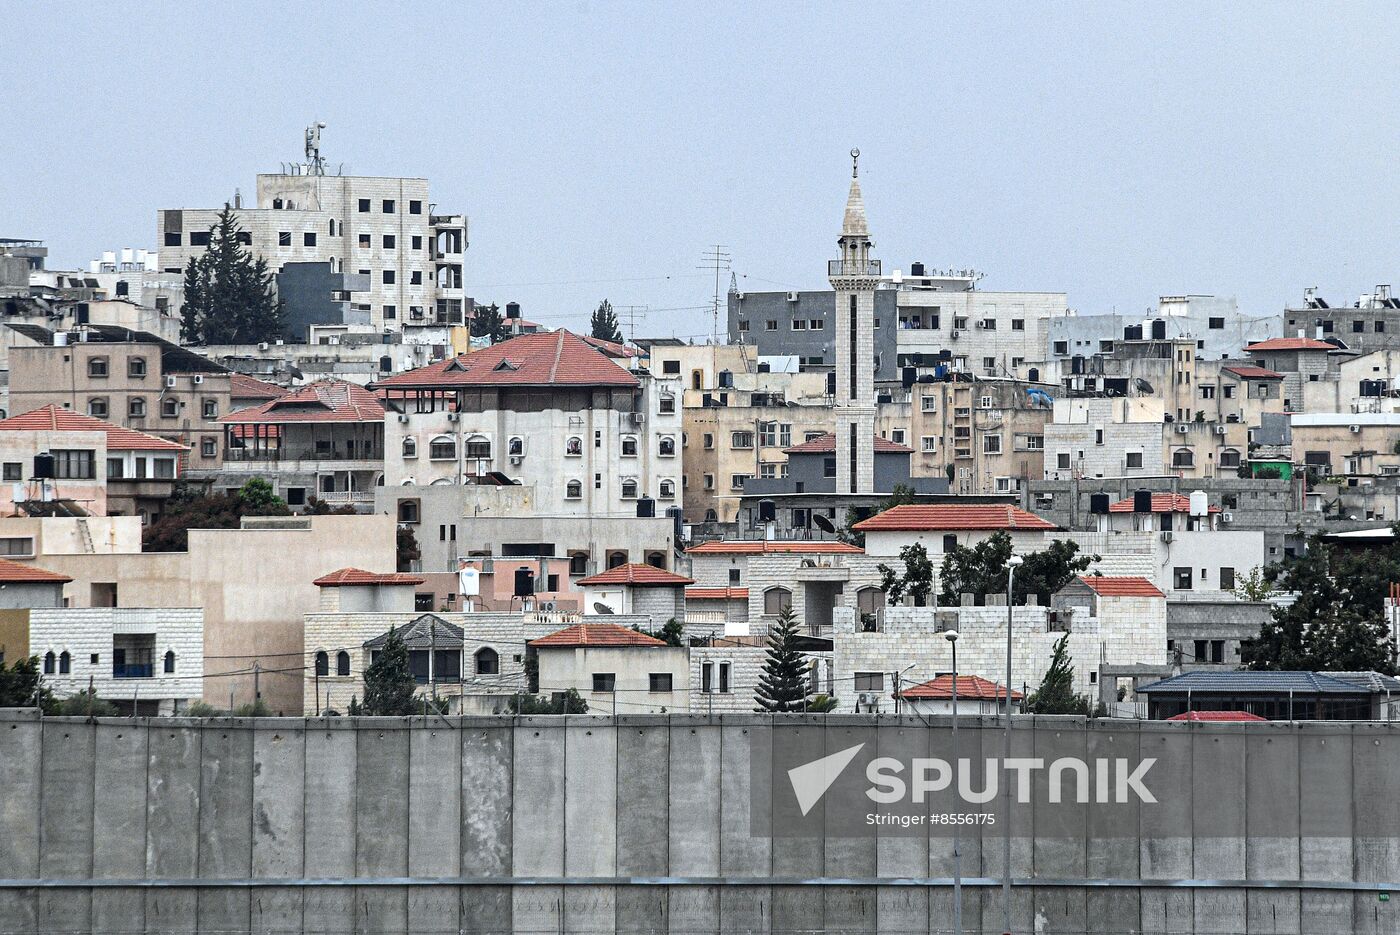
229,297
783,684
487,323
389,684
1056,692
603,325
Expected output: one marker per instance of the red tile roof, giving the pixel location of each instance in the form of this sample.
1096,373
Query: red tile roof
1121,586
551,358
716,594
1254,373
612,348
1291,344
765,547
322,401
637,575
242,386
597,634
826,444
54,418
917,517
1216,716
971,687
353,576
15,573
1161,503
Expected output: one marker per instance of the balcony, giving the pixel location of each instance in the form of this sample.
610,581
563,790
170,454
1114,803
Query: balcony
852,268
133,670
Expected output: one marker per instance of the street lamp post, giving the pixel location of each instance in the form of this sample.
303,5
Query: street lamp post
952,637
1011,564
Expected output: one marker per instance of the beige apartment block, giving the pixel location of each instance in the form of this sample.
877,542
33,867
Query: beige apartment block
983,436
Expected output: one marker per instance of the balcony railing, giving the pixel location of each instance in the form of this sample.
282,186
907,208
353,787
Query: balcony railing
302,454
134,670
852,268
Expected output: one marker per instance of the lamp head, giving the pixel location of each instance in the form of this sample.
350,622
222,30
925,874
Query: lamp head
950,635
1014,560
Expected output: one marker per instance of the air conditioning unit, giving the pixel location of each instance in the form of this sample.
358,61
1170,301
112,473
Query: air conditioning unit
403,417
792,296
953,336
1182,429
198,379
262,345
1220,430
170,382
1166,535
739,296
869,699
639,418
546,607
1227,517
516,459
453,416
1354,428
980,325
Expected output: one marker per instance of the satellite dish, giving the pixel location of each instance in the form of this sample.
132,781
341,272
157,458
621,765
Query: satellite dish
1143,386
600,608
823,523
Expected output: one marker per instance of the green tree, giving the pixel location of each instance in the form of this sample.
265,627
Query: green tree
488,323
354,709
671,632
821,704
389,683
230,297
603,324
1056,692
1336,621
21,686
83,704
1254,586
567,702
917,580
981,569
900,495
783,684
190,508
406,548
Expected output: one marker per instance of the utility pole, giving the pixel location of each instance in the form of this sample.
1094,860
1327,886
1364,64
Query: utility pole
432,660
716,258
257,686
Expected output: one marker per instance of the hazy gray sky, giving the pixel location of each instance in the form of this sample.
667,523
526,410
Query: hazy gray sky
1112,151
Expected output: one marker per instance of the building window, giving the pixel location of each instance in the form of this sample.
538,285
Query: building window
1229,458
49,663
168,664
363,206
770,325
97,407
388,206
389,241
415,277
136,367
1227,578
573,490
667,405
928,403
488,661
737,481
629,446
97,366
573,447
164,468
74,464
442,448
659,682
1183,458
604,682
308,239
211,408
776,600
515,446
284,238
666,447
14,470
668,490
870,681
408,513
364,241
169,407
323,663
65,663
1062,460
741,440
1134,459
342,663
410,448
991,443
708,440
828,467
709,481
389,277
629,490
929,443
1181,579
415,207
479,447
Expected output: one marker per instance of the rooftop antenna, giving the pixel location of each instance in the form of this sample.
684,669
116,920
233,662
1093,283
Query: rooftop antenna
314,162
716,258
630,314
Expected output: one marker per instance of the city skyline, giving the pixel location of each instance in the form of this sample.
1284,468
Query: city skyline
599,152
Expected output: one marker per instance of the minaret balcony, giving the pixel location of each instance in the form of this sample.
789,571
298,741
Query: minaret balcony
853,268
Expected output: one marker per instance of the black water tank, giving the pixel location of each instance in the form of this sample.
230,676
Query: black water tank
44,466
646,507
916,269
1098,503
1132,333
1159,329
524,582
908,376
1142,501
767,511
512,309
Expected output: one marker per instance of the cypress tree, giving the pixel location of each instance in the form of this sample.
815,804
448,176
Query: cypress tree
603,324
229,297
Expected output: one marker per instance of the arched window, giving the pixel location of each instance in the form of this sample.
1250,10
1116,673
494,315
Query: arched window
697,379
657,560
323,664
629,446
478,446
617,558
578,563
574,447
169,666
65,663
487,662
342,663
869,600
629,489
442,448
668,490
1183,458
516,446
410,447
667,446
711,516
1230,458
573,490
776,600
48,663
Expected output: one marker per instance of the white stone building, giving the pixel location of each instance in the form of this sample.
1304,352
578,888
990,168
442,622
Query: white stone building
616,670
940,527
145,660
547,411
636,588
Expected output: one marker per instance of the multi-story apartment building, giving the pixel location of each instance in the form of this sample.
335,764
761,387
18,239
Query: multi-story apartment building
1347,443
1131,436
135,275
1214,324
1300,361
981,435
548,411
384,228
132,378
1370,323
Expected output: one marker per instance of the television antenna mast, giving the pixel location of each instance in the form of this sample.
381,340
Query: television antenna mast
630,314
314,162
717,258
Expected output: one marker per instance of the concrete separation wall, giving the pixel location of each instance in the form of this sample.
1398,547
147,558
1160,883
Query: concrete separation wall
643,824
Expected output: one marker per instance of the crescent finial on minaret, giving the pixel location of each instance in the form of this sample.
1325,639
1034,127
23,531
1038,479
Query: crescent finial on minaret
855,162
